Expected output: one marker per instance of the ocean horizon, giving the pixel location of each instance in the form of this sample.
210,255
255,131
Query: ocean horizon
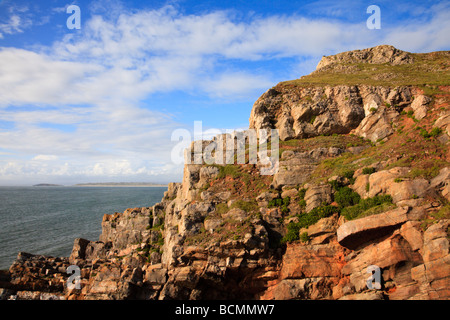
46,219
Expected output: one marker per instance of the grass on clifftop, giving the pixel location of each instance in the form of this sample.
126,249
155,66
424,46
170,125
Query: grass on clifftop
428,72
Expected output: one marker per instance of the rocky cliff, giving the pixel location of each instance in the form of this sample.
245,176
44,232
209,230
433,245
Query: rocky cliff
363,180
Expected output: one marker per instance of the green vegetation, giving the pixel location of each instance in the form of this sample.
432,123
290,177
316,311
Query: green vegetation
229,170
247,206
301,197
222,208
443,213
307,219
304,237
433,133
346,197
350,205
360,209
280,203
428,72
336,141
368,170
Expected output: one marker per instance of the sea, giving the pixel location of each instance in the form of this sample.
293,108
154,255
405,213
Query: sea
47,219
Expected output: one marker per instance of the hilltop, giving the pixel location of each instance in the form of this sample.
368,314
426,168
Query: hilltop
363,180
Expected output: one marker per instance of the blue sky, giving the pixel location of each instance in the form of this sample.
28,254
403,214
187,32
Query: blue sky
100,103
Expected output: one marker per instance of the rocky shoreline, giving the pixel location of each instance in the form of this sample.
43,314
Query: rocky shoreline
363,181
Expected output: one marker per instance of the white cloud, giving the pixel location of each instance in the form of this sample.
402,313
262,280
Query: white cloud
18,21
78,107
45,157
12,26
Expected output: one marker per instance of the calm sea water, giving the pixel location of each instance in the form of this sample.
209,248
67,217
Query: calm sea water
46,220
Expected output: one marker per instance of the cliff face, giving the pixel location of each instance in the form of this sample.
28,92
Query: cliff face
363,180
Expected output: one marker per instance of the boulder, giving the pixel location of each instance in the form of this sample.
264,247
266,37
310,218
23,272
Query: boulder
433,276
419,106
294,171
354,233
410,230
442,182
235,214
298,167
377,125
392,255
323,226
408,189
312,261
291,193
212,224
78,250
443,122
215,197
316,196
384,182
362,185
207,174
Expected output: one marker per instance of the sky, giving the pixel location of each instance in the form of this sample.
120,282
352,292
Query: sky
100,103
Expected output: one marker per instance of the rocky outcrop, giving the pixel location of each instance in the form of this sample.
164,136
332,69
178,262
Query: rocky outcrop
357,232
376,55
296,168
228,232
393,183
300,113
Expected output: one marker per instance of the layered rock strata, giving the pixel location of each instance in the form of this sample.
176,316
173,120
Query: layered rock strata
227,232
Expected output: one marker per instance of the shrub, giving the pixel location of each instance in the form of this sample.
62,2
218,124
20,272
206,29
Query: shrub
368,170
346,197
280,203
222,208
304,237
348,174
275,202
247,206
284,206
301,196
292,233
433,133
301,193
357,210
302,203
310,218
307,219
